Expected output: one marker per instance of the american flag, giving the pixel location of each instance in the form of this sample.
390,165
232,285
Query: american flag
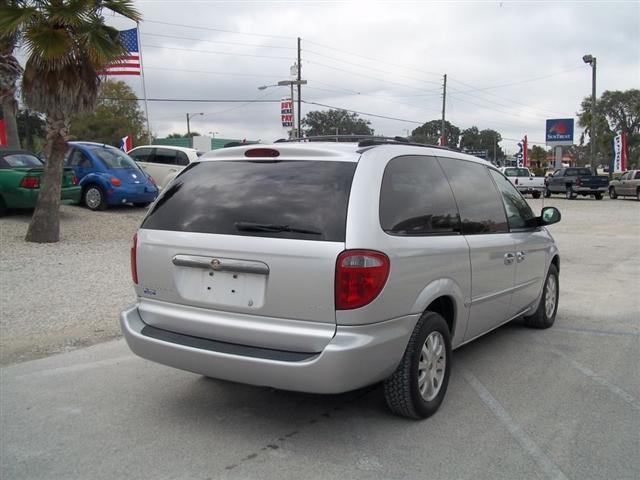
130,63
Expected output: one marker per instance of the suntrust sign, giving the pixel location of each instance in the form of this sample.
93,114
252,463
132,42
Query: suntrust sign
559,131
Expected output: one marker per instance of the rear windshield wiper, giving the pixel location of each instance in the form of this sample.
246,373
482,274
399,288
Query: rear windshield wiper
272,227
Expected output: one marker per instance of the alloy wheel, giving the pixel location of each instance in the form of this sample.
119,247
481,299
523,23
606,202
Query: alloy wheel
432,366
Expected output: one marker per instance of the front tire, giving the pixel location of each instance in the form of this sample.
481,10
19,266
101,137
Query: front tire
535,194
94,198
598,196
418,386
612,193
545,314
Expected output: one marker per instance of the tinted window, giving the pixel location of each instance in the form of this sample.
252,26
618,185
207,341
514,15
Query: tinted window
182,158
22,160
165,156
259,198
478,200
416,199
637,176
519,214
113,158
572,172
141,154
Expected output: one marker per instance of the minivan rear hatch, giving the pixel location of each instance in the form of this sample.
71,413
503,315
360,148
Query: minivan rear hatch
252,239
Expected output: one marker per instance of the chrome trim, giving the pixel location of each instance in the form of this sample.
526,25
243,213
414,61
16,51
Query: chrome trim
221,264
491,296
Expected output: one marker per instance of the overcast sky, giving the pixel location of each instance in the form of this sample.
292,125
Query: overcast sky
510,65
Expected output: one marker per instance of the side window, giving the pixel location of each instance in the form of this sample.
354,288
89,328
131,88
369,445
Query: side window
165,156
478,200
77,159
182,159
416,199
637,176
511,172
519,214
624,176
142,154
572,172
557,173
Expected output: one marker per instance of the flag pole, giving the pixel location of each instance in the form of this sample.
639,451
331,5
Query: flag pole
144,87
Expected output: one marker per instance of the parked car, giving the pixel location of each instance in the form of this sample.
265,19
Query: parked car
573,181
326,267
164,162
108,176
20,177
524,180
627,185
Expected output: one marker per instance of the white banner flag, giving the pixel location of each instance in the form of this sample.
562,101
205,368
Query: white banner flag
619,156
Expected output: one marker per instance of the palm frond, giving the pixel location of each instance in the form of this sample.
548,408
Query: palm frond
46,43
101,43
13,17
71,13
122,7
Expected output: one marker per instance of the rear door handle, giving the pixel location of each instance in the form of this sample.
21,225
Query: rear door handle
509,258
521,256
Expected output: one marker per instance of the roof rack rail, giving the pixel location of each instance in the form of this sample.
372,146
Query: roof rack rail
346,139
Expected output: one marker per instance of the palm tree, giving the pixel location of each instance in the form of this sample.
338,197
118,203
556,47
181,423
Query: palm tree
10,71
67,42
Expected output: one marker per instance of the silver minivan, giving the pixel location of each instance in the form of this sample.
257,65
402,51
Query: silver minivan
325,267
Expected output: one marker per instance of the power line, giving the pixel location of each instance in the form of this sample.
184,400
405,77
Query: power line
211,52
371,58
362,113
528,80
209,72
488,108
196,27
147,34
191,100
256,100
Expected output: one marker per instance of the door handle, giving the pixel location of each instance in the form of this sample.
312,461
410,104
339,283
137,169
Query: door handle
521,256
172,170
509,258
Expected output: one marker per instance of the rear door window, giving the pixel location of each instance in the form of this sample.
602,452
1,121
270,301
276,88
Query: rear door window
282,199
416,199
182,159
519,213
479,202
165,156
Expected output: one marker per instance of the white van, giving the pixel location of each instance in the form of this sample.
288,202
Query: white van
163,162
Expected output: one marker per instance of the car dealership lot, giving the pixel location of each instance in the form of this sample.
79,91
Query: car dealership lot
559,403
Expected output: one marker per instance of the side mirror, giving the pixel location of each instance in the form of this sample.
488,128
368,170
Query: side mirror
549,216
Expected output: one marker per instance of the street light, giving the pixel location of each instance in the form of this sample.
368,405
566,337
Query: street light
591,60
189,116
289,83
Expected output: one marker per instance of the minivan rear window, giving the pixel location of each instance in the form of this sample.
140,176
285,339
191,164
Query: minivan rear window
281,199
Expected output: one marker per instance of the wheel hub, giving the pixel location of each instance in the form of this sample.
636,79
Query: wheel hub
431,366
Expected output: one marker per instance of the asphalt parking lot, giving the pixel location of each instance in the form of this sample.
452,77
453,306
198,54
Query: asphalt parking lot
560,403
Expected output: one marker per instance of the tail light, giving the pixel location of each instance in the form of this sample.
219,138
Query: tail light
30,182
360,277
115,181
134,255
74,180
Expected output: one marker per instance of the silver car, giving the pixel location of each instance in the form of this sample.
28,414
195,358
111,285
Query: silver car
325,267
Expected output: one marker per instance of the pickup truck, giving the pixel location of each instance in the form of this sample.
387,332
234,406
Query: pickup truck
524,180
574,181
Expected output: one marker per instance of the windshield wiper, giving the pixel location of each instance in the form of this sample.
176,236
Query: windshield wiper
272,227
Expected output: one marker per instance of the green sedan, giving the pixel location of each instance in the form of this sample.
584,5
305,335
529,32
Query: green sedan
20,176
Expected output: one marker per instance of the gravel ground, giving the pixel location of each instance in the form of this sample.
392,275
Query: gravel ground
57,297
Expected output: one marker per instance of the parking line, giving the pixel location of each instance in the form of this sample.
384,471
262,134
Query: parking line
77,368
593,331
626,396
527,444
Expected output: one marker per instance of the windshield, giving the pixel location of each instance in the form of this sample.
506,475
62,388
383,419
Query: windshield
17,160
113,158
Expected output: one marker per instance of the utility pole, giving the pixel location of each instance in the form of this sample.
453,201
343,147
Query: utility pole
299,90
444,103
188,130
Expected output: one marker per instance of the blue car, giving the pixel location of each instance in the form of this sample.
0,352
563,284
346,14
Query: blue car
108,176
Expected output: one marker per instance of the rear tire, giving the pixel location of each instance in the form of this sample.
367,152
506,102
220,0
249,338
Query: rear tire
418,386
612,193
545,314
598,196
3,207
93,197
535,194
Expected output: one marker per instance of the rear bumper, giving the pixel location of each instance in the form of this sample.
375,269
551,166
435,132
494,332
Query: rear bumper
586,189
125,195
27,197
530,189
355,357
